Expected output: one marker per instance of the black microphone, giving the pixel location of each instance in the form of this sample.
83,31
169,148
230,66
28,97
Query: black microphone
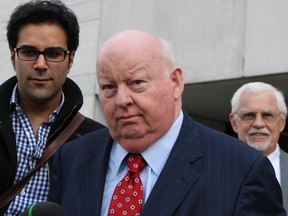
43,209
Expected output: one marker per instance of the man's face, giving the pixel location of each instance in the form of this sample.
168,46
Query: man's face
258,121
40,81
137,98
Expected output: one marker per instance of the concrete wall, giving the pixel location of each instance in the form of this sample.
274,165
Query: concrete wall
207,35
266,37
213,39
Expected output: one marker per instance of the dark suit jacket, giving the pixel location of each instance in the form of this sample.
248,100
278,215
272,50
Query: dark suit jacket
207,173
284,177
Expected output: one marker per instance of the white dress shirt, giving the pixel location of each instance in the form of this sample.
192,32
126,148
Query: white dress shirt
156,156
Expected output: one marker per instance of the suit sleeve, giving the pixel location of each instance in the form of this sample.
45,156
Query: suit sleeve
260,193
55,183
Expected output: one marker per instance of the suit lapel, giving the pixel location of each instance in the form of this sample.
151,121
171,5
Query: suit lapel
179,174
92,178
284,177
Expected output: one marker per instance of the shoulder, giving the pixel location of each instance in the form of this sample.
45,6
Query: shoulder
206,134
79,149
214,142
10,83
283,152
6,88
96,135
283,156
89,125
232,145
88,141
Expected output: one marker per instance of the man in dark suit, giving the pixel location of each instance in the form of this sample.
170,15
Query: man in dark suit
190,169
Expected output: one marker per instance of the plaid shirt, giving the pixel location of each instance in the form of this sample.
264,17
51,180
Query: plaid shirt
29,150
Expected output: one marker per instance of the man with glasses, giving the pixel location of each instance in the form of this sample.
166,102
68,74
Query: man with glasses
40,101
258,117
50,55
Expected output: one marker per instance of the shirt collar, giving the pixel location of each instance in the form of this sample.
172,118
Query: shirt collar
14,99
118,153
14,104
151,155
275,154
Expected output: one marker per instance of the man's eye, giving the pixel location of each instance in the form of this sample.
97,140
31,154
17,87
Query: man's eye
29,52
267,115
108,90
247,116
108,87
53,53
138,82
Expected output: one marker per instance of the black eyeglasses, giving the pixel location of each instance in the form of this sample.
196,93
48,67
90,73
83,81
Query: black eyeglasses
53,55
250,117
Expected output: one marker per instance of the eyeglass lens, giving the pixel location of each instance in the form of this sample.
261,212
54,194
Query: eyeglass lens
251,116
33,54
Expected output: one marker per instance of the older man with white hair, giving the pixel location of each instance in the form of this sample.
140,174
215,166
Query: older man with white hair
258,117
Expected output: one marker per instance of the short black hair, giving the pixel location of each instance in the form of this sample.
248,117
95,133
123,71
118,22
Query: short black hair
39,11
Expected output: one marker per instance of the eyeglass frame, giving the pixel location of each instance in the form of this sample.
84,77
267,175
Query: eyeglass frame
66,52
253,119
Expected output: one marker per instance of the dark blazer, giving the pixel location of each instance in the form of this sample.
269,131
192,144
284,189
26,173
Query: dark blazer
207,173
284,177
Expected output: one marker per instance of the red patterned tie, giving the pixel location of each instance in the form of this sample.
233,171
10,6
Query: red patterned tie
127,198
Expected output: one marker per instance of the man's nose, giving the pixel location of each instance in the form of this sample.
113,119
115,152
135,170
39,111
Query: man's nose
123,97
40,61
259,122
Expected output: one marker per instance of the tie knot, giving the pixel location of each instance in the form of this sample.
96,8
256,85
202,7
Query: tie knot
135,162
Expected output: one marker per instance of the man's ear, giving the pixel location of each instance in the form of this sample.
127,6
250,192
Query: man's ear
282,122
177,80
12,57
71,59
233,122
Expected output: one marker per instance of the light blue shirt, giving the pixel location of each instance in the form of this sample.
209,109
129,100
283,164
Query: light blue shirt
156,156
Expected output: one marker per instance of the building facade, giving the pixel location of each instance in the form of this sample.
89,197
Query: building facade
220,44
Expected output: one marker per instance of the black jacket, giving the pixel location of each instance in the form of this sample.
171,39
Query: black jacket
8,157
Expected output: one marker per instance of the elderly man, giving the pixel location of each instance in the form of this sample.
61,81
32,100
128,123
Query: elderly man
154,159
258,116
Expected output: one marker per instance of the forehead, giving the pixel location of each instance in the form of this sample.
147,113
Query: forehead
130,63
128,69
258,101
133,45
128,51
121,55
44,34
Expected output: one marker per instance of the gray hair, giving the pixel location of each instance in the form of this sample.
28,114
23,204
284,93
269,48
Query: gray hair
257,87
168,57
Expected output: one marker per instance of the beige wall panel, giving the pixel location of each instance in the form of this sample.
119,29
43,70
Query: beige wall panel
207,35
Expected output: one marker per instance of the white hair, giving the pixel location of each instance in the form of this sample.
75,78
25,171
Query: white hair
258,87
167,52
168,57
